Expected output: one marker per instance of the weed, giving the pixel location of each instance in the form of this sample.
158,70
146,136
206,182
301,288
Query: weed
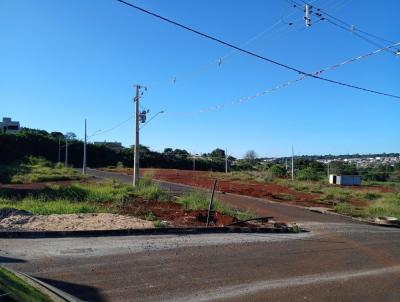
160,224
198,201
389,206
150,217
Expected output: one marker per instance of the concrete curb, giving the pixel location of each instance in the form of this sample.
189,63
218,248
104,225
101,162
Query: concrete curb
138,232
355,219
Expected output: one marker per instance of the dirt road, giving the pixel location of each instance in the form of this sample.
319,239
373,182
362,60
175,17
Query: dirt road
338,260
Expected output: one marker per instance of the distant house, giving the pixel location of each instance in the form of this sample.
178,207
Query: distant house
9,126
345,180
115,146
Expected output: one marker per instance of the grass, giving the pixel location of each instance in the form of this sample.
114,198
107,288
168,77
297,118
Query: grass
378,203
105,197
19,289
36,169
348,209
389,206
42,207
199,201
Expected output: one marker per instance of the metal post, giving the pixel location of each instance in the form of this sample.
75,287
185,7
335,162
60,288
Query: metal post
84,152
211,201
292,163
136,150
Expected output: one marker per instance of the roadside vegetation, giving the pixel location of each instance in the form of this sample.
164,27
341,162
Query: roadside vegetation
200,201
18,289
378,196
36,169
77,197
88,196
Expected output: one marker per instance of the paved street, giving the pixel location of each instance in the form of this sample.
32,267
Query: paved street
338,260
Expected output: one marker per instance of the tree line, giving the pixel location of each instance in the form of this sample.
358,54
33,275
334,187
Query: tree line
51,145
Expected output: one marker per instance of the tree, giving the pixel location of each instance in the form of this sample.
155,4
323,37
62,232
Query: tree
277,170
168,151
56,134
251,156
70,135
308,173
218,153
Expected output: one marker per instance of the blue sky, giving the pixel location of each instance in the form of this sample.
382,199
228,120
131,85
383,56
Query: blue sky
64,61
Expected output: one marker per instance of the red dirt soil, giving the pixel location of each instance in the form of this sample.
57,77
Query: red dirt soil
175,214
203,179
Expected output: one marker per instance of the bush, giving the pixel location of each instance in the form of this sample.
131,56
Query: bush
307,174
277,170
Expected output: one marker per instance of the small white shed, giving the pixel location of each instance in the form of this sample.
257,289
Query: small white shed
345,180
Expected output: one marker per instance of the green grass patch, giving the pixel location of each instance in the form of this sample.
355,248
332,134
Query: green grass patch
349,210
36,169
387,206
83,197
42,207
19,289
199,201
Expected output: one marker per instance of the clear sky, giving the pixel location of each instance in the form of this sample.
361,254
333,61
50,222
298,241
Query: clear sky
64,61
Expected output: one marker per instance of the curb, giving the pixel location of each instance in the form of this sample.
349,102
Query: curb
138,232
354,219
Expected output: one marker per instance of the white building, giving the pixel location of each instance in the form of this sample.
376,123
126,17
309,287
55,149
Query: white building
9,126
345,180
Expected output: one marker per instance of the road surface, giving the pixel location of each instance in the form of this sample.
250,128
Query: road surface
338,260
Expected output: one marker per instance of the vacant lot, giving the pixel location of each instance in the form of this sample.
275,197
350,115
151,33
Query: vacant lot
380,199
42,200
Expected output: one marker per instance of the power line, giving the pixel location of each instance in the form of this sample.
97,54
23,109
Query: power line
324,16
113,128
254,54
248,98
283,85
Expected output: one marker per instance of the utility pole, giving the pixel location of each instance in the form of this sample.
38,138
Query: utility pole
307,16
59,149
329,172
66,152
292,163
226,161
139,118
194,162
84,152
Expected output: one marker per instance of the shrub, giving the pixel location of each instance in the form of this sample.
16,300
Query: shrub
307,174
277,171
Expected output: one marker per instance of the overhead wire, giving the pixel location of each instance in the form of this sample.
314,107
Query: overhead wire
222,59
253,54
324,16
283,85
259,94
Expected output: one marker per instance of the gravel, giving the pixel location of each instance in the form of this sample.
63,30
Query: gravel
22,220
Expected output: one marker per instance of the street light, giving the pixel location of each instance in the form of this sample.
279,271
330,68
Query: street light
160,112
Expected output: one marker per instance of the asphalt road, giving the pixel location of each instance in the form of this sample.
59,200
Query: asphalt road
338,260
